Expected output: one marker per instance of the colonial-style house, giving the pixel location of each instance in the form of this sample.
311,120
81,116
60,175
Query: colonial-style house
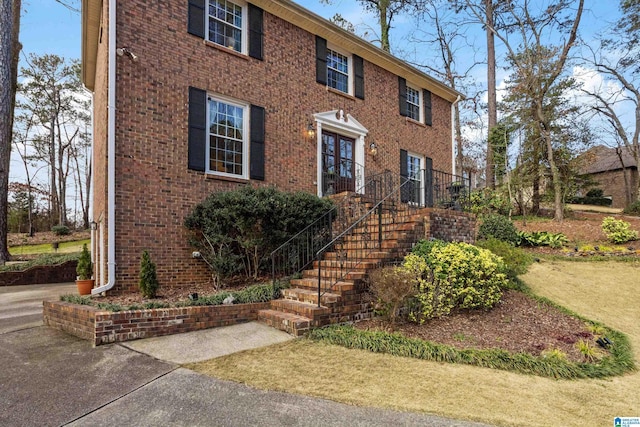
198,96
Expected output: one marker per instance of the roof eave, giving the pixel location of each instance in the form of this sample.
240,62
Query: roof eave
91,12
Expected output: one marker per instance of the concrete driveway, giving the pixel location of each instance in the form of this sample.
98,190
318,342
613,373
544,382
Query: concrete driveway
49,378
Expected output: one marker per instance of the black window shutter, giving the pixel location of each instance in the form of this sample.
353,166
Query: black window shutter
402,96
255,32
197,129
404,176
358,72
321,60
195,23
428,182
256,169
427,107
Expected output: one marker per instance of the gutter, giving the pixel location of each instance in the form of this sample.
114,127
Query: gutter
453,135
111,156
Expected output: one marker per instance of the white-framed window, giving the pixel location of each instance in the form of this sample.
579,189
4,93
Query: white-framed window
414,173
227,24
414,103
339,71
228,137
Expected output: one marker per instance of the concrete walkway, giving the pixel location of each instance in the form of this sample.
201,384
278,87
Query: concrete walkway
49,378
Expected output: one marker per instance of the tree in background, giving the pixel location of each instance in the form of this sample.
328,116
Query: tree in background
9,54
617,61
52,92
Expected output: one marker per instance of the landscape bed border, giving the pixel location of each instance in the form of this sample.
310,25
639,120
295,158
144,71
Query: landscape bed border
105,327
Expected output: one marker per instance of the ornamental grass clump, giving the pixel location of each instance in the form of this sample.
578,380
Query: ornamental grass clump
454,275
618,231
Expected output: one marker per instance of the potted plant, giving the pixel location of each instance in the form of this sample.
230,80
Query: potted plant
84,270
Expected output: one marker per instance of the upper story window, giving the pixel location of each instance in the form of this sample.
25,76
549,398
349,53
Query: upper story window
413,103
234,25
227,143
338,71
226,24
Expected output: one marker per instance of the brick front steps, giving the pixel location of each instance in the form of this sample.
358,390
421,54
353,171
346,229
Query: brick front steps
347,300
104,327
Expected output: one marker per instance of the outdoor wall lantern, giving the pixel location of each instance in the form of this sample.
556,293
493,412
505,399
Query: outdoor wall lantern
311,132
373,149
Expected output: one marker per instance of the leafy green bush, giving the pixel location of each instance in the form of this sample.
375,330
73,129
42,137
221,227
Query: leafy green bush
391,287
252,294
235,231
424,247
61,230
542,238
499,227
633,208
487,201
516,261
455,275
148,283
618,231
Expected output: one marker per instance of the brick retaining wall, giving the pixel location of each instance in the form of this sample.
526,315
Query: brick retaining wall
103,327
65,272
451,226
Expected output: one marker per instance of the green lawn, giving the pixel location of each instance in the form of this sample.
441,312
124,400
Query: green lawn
47,248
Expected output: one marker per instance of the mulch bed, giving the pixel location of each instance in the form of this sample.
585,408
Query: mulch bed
518,323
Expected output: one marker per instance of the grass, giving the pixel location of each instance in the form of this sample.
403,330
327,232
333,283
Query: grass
603,291
47,248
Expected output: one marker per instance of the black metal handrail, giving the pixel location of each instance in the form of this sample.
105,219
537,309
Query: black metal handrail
299,251
358,242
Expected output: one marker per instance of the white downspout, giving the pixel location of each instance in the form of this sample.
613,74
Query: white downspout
453,135
111,156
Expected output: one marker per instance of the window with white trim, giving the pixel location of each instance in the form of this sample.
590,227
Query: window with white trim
226,24
413,103
227,142
338,71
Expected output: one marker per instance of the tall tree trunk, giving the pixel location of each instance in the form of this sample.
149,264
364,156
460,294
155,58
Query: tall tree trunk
9,55
491,92
384,25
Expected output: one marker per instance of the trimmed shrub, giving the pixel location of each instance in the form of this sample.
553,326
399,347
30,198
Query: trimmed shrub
633,208
455,275
618,231
487,201
391,287
84,269
499,227
148,280
61,230
235,231
424,247
516,261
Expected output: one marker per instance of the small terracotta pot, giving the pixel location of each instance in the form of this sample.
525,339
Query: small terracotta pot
85,286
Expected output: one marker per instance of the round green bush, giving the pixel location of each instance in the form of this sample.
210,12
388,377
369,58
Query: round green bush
516,260
499,227
61,230
618,231
455,275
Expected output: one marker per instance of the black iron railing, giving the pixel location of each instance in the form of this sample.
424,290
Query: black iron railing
369,241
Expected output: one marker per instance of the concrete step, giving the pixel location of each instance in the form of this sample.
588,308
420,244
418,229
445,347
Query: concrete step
288,322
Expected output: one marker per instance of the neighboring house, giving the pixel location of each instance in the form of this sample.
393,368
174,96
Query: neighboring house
609,167
193,97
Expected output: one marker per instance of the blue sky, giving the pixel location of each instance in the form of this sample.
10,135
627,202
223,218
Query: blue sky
49,27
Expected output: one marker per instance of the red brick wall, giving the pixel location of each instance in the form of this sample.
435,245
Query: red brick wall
612,184
451,226
103,327
155,190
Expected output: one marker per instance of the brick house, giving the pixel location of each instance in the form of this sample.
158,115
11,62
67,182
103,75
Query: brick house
198,96
610,169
